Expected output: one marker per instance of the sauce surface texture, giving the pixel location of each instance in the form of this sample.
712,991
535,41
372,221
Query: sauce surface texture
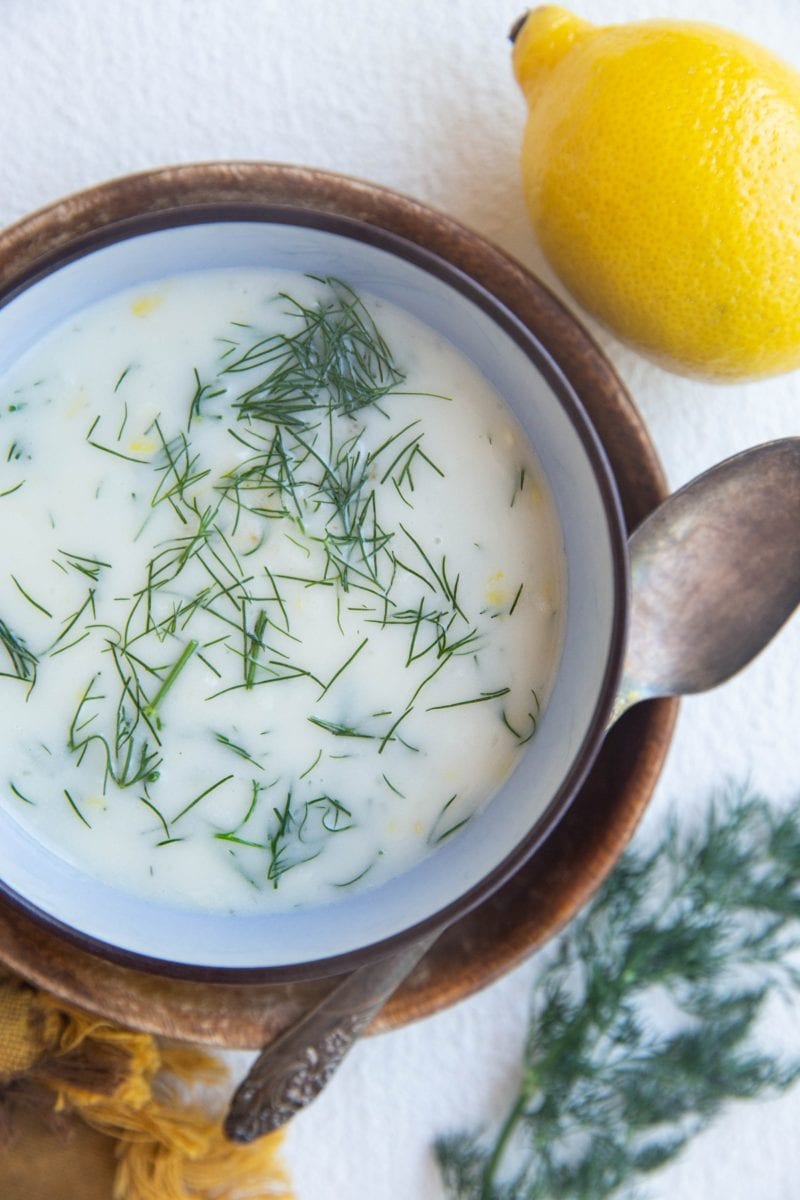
281,590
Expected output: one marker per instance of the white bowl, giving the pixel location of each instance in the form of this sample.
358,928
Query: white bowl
467,868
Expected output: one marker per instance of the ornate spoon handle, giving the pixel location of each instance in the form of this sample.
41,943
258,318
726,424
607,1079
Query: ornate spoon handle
291,1071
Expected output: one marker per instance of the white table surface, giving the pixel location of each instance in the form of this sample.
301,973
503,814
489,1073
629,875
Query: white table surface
417,95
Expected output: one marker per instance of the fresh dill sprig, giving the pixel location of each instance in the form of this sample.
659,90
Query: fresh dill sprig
644,1013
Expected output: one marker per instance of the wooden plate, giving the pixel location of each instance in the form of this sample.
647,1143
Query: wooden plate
576,858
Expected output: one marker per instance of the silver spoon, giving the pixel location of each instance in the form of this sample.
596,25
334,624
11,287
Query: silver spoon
715,572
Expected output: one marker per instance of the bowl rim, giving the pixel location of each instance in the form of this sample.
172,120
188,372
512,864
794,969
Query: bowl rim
434,263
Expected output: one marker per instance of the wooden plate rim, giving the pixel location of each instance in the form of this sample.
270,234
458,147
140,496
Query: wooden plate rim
243,1015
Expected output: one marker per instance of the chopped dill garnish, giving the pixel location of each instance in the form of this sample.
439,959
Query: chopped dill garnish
148,803
440,830
109,449
292,505
533,719
343,667
519,486
333,816
390,734
340,730
308,770
168,682
73,618
285,844
23,663
75,809
91,567
484,696
238,750
122,378
253,644
355,878
29,597
19,794
207,792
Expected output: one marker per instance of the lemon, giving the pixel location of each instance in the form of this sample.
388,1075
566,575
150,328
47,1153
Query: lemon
661,165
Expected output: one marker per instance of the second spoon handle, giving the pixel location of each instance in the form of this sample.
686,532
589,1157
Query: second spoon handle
293,1069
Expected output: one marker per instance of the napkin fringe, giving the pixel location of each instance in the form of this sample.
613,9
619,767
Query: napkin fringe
137,1090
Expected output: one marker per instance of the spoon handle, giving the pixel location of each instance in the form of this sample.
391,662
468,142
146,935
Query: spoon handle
292,1070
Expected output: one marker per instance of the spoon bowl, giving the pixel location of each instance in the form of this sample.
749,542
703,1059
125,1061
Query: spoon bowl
715,572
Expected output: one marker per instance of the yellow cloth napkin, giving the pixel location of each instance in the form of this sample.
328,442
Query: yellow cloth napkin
90,1111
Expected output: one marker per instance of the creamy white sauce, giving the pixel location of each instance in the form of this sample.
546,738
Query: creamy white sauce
247,669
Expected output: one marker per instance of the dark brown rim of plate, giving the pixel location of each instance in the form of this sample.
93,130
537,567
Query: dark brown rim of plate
66,249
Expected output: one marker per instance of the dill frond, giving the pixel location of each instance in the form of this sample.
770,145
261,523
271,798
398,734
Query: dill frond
644,1013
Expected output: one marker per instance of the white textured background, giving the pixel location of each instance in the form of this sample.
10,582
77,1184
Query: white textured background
417,95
